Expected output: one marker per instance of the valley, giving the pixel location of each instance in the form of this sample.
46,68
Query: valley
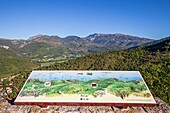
44,46
42,40
151,60
44,50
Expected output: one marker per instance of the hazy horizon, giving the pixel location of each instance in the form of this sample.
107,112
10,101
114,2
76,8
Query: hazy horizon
21,19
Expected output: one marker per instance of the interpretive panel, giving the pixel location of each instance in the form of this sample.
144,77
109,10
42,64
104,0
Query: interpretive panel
92,87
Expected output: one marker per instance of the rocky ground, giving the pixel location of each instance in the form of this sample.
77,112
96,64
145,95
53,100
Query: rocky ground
5,107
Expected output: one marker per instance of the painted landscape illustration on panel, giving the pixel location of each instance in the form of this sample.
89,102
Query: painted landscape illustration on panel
85,86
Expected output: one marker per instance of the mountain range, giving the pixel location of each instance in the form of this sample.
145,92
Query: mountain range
20,55
152,60
41,46
150,57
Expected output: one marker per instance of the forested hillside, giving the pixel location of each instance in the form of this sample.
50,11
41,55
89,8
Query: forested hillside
19,55
44,47
11,63
153,65
161,45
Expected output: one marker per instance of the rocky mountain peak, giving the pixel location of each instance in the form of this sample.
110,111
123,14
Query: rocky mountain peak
96,35
117,39
36,36
119,34
71,38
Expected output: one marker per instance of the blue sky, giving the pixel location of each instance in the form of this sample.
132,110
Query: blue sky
20,19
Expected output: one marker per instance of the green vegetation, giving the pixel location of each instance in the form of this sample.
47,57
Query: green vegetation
154,66
6,83
161,45
152,61
12,64
125,89
9,66
58,87
47,63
